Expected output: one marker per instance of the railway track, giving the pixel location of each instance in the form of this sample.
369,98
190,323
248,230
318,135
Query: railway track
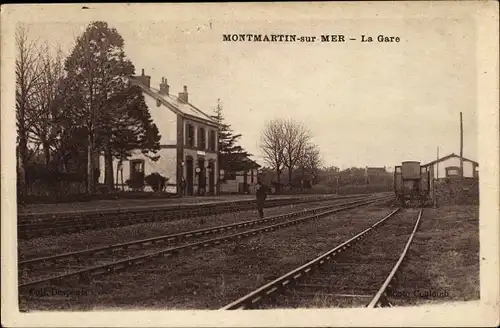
339,277
79,264
33,226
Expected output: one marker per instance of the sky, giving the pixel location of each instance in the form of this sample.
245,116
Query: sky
366,104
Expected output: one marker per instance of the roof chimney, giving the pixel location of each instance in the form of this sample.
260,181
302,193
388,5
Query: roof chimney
183,96
144,79
164,87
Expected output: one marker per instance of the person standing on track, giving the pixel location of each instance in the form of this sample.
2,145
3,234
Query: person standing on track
261,195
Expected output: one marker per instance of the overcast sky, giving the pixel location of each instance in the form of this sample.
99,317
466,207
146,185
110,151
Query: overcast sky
369,104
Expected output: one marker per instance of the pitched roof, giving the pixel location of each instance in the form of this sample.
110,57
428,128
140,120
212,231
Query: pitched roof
178,106
447,157
245,164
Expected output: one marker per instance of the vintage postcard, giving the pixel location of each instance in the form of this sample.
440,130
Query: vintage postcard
253,164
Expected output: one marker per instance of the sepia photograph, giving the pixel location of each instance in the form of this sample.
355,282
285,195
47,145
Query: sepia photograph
271,158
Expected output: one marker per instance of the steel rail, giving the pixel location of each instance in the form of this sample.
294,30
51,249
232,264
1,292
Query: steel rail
289,278
33,230
133,261
381,297
71,215
30,217
179,236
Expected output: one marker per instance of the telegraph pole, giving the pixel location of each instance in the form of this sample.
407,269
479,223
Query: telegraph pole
366,175
434,181
461,147
437,163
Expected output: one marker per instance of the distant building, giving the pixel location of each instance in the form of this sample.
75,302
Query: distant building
375,171
377,175
449,166
240,179
188,146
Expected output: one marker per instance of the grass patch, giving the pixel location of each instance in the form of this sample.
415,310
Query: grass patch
444,257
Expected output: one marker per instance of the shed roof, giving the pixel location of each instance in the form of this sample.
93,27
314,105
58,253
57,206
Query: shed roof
450,156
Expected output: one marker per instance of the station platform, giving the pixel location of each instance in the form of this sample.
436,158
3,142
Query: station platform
123,204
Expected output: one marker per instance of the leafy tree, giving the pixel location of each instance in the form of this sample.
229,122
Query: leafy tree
97,73
133,129
231,155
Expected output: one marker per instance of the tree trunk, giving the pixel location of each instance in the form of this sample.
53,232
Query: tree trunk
278,180
108,169
290,178
23,158
117,180
46,151
302,180
90,166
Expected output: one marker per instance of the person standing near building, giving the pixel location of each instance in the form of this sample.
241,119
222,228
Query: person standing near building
183,186
261,195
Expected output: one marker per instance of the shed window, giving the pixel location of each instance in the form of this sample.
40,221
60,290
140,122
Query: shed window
452,171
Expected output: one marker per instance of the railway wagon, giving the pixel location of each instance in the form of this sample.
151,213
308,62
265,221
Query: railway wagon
412,184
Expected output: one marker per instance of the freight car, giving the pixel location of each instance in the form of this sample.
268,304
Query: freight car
412,184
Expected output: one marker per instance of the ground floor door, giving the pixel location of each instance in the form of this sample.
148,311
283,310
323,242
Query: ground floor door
189,176
211,178
201,177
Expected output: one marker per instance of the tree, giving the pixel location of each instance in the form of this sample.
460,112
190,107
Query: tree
296,142
231,155
28,75
46,114
133,128
272,146
98,73
310,163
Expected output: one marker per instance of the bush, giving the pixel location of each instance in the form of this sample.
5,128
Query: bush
51,174
137,182
156,181
321,188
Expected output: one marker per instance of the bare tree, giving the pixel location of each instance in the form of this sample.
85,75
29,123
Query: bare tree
310,163
46,112
28,75
272,146
296,140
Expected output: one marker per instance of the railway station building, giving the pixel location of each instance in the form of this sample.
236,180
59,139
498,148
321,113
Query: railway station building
188,154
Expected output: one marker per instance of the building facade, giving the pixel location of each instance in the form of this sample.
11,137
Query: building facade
188,155
241,180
